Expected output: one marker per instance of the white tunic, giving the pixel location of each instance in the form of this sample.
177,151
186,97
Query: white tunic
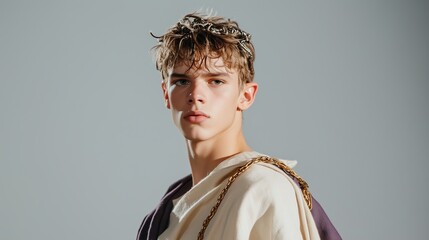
262,203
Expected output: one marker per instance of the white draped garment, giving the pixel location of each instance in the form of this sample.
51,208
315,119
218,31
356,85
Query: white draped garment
263,203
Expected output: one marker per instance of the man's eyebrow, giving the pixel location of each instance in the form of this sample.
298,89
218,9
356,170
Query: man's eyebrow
178,75
209,74
215,74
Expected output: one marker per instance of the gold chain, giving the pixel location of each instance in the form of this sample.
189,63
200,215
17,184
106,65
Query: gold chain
264,159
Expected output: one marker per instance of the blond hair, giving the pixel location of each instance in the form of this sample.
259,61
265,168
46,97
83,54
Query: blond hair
197,37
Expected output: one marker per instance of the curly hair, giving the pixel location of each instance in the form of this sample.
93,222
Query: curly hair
197,37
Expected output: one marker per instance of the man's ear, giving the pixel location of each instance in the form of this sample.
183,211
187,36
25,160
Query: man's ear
248,95
165,94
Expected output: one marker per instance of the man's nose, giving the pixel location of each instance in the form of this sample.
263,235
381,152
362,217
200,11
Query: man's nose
196,94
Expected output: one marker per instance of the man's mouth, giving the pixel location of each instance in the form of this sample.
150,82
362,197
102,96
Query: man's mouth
196,116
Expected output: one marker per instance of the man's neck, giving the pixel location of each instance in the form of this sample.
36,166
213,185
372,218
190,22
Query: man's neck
204,156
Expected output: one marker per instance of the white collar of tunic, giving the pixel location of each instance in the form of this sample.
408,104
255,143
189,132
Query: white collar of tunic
213,179
243,157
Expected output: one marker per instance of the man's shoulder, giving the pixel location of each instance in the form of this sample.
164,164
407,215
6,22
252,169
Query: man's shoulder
266,178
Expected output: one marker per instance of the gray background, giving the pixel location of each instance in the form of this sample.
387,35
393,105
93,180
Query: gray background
87,147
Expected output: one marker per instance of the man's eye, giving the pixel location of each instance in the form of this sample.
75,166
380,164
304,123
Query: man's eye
217,82
181,82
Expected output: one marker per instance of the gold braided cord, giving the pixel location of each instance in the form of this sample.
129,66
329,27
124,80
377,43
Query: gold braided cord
264,159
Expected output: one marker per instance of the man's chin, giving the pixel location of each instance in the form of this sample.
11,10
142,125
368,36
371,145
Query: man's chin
196,137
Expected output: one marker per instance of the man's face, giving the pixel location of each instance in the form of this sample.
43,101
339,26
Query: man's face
204,102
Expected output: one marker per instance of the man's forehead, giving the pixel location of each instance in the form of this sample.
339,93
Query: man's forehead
210,66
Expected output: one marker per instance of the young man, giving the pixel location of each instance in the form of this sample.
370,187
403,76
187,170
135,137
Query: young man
233,192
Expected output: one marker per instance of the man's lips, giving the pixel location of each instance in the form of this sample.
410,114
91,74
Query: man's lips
195,116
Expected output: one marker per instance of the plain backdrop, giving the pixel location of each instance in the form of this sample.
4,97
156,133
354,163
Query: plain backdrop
87,147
